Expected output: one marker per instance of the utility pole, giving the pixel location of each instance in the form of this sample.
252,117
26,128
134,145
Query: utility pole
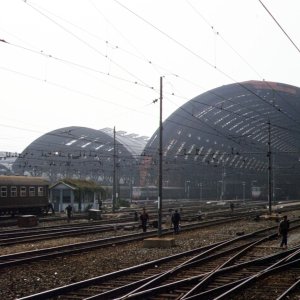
160,179
200,185
270,192
114,173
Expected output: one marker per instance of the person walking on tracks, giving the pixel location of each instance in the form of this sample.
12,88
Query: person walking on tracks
144,217
135,218
283,230
69,212
50,207
176,221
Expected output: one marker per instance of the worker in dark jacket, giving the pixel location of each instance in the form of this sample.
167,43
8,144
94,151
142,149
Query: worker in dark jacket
69,212
283,230
144,217
176,221
50,207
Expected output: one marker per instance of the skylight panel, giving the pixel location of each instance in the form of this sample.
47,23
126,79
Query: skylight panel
71,142
83,146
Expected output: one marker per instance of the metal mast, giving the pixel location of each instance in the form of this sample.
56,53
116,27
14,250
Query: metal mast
114,173
270,192
160,162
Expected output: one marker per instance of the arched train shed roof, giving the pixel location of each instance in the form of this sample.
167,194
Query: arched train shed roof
79,152
231,127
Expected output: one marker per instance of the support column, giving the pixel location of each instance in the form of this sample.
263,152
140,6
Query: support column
60,199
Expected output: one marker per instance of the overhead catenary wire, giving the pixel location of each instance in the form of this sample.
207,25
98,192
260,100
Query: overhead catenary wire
199,57
143,57
186,126
83,41
69,89
81,66
281,28
117,104
175,41
218,33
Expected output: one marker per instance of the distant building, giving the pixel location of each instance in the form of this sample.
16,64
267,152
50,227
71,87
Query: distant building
216,146
7,160
80,194
84,153
219,145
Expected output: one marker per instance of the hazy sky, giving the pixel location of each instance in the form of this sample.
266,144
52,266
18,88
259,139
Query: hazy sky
97,63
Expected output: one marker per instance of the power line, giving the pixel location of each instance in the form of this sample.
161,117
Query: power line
217,133
198,56
201,58
223,39
105,100
285,33
191,115
82,41
68,88
61,60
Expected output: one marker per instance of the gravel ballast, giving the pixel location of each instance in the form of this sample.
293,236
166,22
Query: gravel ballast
19,281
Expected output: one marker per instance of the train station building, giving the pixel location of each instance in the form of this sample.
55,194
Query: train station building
84,153
237,141
231,142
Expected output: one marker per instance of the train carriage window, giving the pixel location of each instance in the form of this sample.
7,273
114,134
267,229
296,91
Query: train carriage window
31,191
23,191
13,191
40,191
3,191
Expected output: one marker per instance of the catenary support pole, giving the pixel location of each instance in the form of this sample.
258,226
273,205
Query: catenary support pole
270,192
160,162
114,173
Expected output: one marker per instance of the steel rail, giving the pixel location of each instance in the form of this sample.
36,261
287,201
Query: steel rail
137,292
286,293
39,234
38,230
155,291
195,260
65,289
226,263
58,233
278,266
28,256
229,289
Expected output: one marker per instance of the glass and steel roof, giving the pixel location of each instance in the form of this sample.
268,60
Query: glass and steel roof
229,130
83,153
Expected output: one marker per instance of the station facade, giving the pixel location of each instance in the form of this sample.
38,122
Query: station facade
232,142
228,142
84,153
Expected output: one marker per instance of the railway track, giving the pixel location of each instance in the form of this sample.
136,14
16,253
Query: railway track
218,271
16,236
189,210
48,253
268,283
34,235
